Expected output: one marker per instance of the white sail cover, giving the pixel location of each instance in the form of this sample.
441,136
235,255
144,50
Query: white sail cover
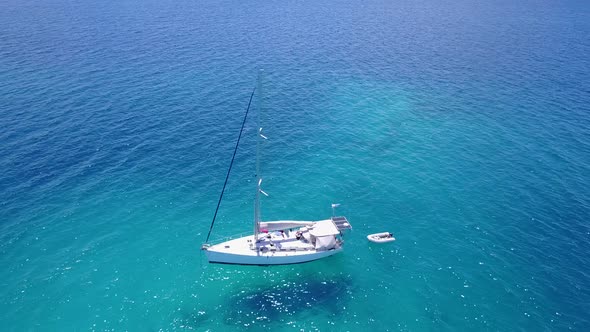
283,224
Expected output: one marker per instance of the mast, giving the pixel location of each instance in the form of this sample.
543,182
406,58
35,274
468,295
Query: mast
258,178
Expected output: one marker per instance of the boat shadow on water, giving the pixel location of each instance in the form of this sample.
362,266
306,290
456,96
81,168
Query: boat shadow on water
289,301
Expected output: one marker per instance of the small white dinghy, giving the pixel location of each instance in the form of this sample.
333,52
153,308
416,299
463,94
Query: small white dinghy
381,237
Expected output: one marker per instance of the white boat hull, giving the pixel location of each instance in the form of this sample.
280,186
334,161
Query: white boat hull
284,251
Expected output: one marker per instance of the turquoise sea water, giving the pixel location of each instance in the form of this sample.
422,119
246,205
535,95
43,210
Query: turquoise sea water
461,126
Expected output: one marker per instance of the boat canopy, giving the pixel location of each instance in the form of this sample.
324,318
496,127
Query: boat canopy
325,242
324,228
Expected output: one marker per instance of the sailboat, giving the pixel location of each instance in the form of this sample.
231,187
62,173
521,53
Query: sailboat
278,242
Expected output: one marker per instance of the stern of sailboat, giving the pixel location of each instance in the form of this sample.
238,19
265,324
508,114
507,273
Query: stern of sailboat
341,223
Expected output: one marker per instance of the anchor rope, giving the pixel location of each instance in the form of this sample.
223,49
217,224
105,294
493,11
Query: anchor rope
230,165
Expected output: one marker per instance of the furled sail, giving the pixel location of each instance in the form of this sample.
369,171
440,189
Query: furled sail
283,224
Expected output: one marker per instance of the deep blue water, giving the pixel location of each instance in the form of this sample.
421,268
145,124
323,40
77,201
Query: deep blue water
461,126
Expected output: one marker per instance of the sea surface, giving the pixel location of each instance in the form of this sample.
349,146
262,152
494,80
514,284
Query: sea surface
462,126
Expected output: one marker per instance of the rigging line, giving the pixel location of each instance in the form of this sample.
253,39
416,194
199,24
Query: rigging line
230,165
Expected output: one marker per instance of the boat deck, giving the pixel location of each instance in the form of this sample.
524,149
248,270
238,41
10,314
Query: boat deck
277,242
